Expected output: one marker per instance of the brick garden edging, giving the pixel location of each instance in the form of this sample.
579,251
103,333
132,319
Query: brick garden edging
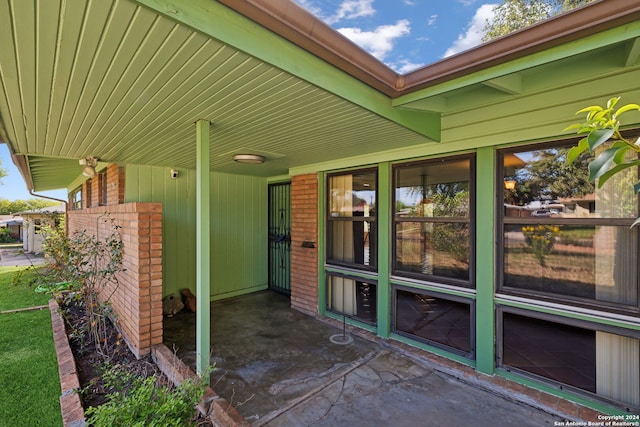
70,405
218,410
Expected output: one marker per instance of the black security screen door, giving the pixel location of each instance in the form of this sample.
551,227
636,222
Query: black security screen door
280,238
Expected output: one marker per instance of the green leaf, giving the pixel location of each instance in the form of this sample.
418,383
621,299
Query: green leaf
573,154
612,102
599,137
620,167
622,148
601,164
573,126
626,108
593,108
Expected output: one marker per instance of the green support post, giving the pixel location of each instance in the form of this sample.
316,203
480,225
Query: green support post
384,212
203,247
485,260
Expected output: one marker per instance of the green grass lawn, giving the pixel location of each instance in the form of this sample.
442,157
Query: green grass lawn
29,383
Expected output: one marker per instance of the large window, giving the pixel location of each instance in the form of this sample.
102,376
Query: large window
351,219
583,356
352,243
433,231
440,320
352,297
564,238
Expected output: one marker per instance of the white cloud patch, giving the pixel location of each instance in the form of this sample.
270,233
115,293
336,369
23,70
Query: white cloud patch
432,20
310,6
404,66
378,42
351,9
409,2
475,31
467,3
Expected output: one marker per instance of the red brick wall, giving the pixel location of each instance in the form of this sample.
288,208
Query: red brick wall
138,298
115,185
304,227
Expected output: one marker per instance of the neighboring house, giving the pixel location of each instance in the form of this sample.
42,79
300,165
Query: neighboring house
34,220
380,196
14,224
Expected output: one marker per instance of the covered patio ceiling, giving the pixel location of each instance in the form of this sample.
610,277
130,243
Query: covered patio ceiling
118,81
126,80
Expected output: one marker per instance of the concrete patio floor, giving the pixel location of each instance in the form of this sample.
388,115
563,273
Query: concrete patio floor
278,367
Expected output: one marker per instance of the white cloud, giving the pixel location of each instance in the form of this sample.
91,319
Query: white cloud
404,66
351,9
409,2
467,3
432,20
378,42
475,31
310,6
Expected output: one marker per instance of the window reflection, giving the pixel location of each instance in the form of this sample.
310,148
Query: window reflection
351,219
562,235
434,319
432,219
542,184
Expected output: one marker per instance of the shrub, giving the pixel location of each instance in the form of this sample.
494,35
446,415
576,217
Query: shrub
141,402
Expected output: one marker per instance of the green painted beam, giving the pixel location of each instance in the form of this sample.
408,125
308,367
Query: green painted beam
602,39
203,247
485,262
227,26
623,322
384,246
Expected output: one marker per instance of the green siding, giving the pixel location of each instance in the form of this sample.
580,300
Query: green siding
238,227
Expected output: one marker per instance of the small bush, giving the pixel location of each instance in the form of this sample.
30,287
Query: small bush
140,402
5,236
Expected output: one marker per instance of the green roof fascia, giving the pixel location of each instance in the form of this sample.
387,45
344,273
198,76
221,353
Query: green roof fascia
620,34
221,23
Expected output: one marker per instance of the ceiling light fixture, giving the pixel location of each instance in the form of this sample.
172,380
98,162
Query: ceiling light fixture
253,159
89,166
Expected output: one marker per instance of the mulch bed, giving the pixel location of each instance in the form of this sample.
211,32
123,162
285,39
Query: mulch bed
90,365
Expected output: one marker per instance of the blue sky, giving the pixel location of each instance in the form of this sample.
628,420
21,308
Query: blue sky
13,187
404,34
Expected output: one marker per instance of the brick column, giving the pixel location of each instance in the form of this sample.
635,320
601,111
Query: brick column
304,227
138,297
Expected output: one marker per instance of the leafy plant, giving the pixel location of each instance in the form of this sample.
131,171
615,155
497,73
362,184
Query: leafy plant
602,125
137,401
89,266
5,236
541,239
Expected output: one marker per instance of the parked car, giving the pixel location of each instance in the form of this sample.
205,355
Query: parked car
546,213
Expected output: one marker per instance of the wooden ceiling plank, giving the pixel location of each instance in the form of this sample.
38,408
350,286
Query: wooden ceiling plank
47,18
70,24
24,30
11,111
90,37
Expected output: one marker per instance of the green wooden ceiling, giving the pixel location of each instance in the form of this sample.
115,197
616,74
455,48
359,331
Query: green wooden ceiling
125,81
117,81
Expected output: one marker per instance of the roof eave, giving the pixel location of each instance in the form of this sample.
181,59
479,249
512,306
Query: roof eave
294,23
23,166
300,27
587,20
